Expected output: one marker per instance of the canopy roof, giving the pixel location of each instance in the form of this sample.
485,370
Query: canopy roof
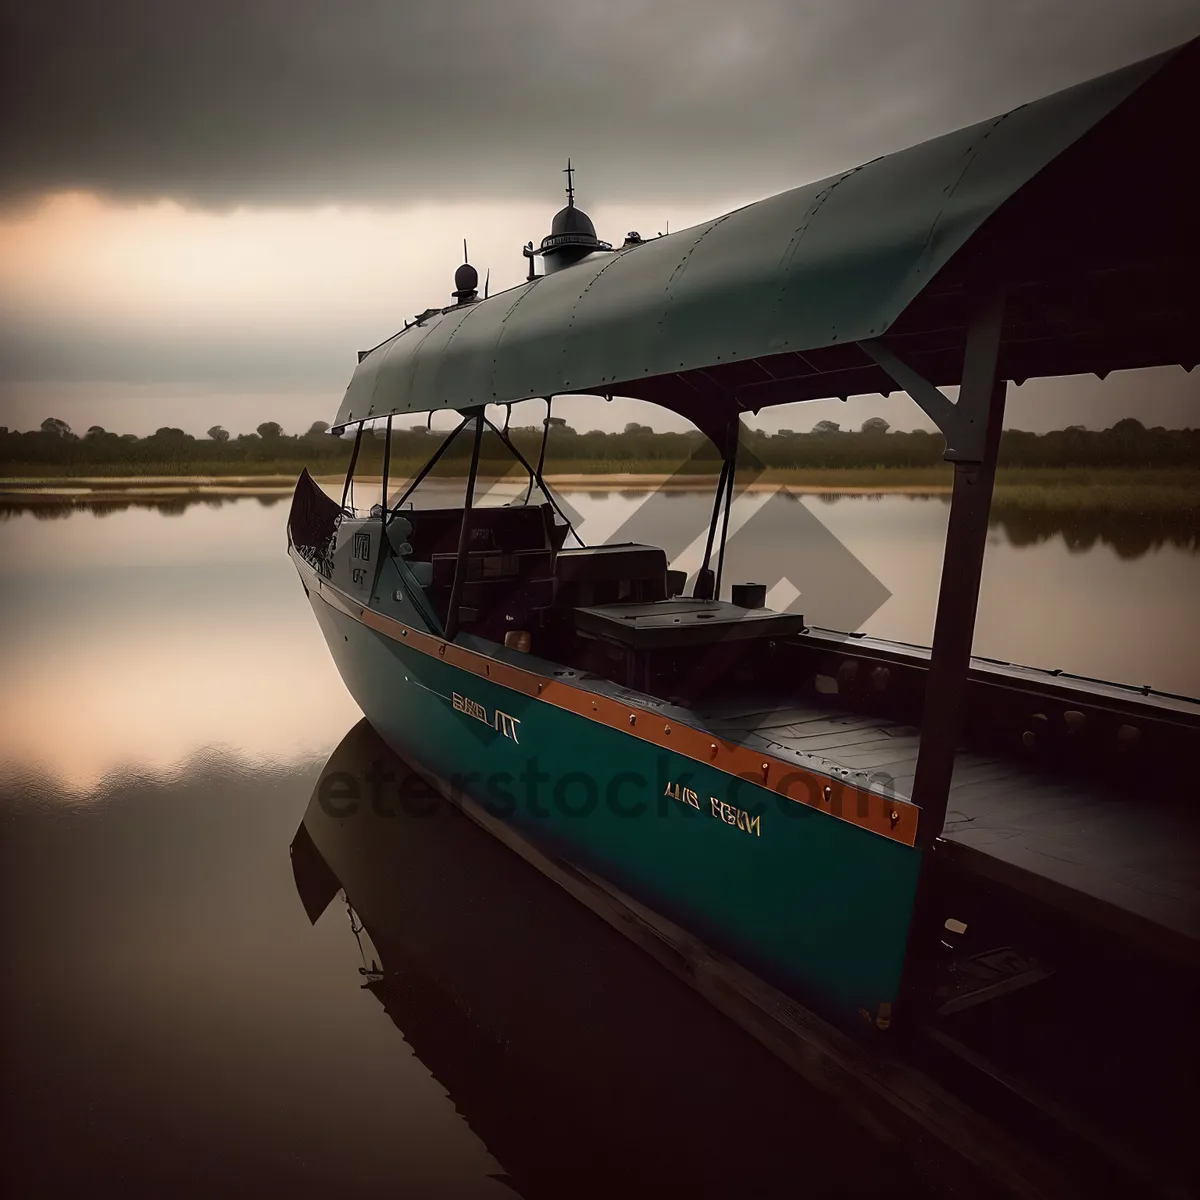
1080,207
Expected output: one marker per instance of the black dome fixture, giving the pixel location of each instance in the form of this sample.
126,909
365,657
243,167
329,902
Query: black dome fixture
572,235
466,280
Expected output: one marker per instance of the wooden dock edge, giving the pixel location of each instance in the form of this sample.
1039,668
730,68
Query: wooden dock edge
1132,929
948,1142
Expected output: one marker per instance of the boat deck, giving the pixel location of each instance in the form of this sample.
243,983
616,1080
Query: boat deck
1093,851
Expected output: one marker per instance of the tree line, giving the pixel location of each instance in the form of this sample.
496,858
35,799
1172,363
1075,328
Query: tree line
55,447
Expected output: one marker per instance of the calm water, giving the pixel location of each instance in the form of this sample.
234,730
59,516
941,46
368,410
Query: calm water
173,1023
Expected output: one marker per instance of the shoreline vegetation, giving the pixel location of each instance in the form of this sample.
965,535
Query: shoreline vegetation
1133,517
1181,482
1126,469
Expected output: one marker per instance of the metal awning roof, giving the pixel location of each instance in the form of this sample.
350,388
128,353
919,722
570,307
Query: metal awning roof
1079,207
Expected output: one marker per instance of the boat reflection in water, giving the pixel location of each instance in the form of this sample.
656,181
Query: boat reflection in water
582,1065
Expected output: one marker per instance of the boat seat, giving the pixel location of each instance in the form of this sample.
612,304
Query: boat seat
683,622
502,590
610,574
487,565
515,527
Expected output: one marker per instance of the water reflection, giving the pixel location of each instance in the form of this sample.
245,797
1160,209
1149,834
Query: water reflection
1131,535
1129,532
174,1025
152,639
585,1068
59,508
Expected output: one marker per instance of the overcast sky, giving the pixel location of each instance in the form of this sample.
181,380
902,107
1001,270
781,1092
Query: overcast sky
207,208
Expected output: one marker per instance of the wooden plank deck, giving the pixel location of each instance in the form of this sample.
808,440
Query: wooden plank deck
1071,841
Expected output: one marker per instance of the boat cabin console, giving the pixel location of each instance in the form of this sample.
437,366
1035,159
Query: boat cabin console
611,610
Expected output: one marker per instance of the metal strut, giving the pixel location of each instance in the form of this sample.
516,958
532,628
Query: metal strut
464,533
702,588
972,428
387,462
708,586
502,434
349,484
732,452
433,461
541,462
964,424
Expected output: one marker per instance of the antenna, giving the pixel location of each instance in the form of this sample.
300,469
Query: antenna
486,280
569,173
465,258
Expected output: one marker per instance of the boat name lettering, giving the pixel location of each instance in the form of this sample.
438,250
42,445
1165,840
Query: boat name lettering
736,816
358,575
362,545
728,813
507,725
502,722
464,704
683,794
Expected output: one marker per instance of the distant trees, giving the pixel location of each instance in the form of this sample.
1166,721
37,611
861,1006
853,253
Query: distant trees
1128,427
636,447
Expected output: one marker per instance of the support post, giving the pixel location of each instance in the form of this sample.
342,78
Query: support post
387,462
702,589
353,461
537,474
464,534
731,456
981,405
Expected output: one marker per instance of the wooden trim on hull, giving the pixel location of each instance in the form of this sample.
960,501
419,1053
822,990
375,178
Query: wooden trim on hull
893,818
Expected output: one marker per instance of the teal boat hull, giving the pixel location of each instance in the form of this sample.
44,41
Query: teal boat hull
807,900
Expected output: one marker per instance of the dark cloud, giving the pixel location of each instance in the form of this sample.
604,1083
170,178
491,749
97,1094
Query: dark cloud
256,359
386,101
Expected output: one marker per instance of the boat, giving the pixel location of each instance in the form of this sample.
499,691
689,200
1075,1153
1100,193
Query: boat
879,833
